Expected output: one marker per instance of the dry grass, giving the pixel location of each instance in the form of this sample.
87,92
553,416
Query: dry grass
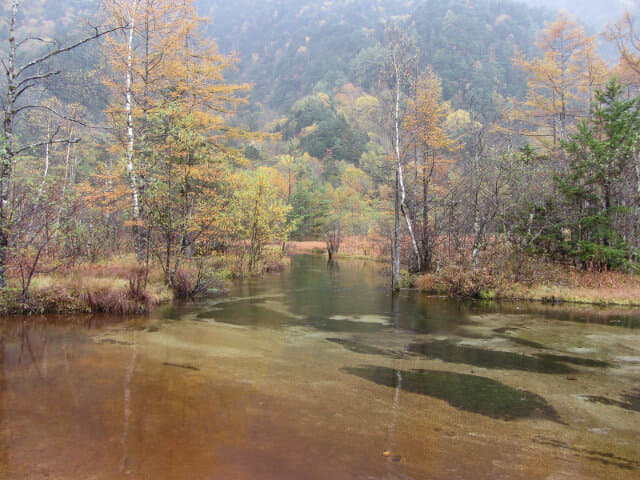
533,278
371,246
120,286
306,247
584,287
374,247
455,281
234,263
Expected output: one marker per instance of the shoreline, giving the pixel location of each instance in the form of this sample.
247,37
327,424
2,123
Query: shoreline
110,287
570,287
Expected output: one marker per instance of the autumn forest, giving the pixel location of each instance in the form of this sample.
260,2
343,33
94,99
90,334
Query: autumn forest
158,148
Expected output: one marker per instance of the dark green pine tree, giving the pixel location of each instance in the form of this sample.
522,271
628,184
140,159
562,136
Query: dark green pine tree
309,208
601,160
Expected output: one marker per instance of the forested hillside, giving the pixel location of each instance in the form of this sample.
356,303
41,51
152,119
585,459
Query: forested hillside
289,48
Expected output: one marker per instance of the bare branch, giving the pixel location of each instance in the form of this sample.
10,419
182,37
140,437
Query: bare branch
57,114
34,78
35,39
97,34
42,144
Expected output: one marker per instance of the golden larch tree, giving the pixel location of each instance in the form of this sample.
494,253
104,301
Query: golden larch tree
561,82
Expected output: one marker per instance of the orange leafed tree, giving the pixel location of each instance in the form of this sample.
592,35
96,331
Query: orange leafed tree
426,140
561,82
137,57
172,107
624,35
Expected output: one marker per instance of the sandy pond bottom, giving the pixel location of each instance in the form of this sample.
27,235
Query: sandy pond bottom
319,374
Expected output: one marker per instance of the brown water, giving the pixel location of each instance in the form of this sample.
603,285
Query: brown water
319,373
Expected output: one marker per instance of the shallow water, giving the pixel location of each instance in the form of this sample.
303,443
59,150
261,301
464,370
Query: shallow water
319,373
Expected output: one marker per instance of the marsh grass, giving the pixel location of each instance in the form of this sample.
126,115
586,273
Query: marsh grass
371,247
119,286
532,278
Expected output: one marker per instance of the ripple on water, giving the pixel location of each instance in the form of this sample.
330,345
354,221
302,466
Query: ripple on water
378,319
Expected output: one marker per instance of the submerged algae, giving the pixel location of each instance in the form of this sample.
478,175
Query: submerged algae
465,392
480,357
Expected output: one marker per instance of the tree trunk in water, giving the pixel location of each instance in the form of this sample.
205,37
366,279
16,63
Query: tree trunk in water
401,192
332,239
395,240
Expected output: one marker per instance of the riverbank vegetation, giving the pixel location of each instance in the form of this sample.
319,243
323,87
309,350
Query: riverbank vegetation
488,151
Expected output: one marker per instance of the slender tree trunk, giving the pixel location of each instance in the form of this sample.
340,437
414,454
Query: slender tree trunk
137,230
477,236
636,240
7,147
45,173
395,239
395,236
477,227
426,240
68,174
401,195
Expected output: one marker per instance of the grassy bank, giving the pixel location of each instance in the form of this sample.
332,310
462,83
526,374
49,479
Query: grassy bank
553,284
500,276
368,247
118,285
121,285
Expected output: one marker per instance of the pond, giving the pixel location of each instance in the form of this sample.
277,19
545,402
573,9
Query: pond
320,373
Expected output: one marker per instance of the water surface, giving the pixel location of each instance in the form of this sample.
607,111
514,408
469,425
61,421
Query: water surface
320,373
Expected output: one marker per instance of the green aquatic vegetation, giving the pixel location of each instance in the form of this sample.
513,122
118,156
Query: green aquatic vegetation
524,342
333,325
245,313
365,349
480,357
585,362
605,458
357,347
470,393
630,401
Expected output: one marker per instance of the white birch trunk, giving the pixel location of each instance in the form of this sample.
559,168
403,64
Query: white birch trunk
67,181
131,170
400,175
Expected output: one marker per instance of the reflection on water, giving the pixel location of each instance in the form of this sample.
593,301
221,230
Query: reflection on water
316,292
250,387
336,298
96,410
466,392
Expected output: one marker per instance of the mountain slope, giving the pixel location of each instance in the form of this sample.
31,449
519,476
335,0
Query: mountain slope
289,47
